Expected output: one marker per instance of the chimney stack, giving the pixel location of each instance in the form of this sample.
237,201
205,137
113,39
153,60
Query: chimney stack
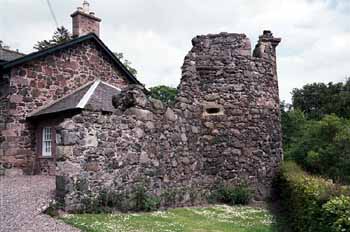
84,21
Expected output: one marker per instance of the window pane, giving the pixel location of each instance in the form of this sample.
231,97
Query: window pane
47,142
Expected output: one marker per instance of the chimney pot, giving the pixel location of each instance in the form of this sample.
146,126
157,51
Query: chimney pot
86,7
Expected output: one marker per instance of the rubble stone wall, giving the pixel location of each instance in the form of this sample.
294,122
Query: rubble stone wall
4,110
223,128
39,82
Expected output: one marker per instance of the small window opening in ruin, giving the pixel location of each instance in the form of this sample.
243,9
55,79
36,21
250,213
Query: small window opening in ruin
213,110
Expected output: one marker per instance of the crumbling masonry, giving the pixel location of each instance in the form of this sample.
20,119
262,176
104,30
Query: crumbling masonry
223,128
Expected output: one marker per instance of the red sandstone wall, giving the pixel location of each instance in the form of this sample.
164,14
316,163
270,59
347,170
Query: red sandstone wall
40,81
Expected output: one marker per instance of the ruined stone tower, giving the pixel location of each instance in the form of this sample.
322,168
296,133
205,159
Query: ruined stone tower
223,128
232,96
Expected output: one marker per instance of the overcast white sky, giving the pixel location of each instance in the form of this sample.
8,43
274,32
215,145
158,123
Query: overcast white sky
155,35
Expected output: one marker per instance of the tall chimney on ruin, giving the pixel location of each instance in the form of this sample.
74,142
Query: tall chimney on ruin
85,21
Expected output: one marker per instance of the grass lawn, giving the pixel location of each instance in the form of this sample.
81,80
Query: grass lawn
218,218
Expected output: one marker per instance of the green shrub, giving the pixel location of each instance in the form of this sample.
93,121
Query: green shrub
144,201
110,199
151,203
337,213
241,195
231,195
311,203
321,147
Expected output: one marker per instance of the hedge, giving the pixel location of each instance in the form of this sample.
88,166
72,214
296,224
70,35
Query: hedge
312,203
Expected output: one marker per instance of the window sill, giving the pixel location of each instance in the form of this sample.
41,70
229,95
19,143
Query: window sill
43,157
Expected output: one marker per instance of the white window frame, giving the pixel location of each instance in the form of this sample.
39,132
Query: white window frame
47,142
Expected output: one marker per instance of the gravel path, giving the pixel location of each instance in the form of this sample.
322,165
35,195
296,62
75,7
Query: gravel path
22,200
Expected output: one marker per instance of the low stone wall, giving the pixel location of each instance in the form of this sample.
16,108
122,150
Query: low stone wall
5,162
224,128
147,146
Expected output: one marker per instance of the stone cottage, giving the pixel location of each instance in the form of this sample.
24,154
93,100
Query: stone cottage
40,89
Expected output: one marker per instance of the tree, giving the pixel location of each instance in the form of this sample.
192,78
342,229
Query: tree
323,147
293,127
317,100
126,63
316,129
164,93
61,35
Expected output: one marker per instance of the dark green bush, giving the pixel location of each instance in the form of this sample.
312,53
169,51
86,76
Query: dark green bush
321,147
239,195
107,201
151,203
144,201
311,203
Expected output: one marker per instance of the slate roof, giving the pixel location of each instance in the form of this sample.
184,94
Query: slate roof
24,59
8,55
95,95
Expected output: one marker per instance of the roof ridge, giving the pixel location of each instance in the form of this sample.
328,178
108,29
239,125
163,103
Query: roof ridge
69,43
12,51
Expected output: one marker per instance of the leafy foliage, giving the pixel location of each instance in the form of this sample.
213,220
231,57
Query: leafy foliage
144,201
318,99
108,200
126,63
316,129
337,213
313,203
321,147
232,195
164,93
293,126
61,35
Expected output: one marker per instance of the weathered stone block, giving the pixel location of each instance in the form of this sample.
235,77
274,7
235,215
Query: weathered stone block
69,137
140,114
64,152
170,115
